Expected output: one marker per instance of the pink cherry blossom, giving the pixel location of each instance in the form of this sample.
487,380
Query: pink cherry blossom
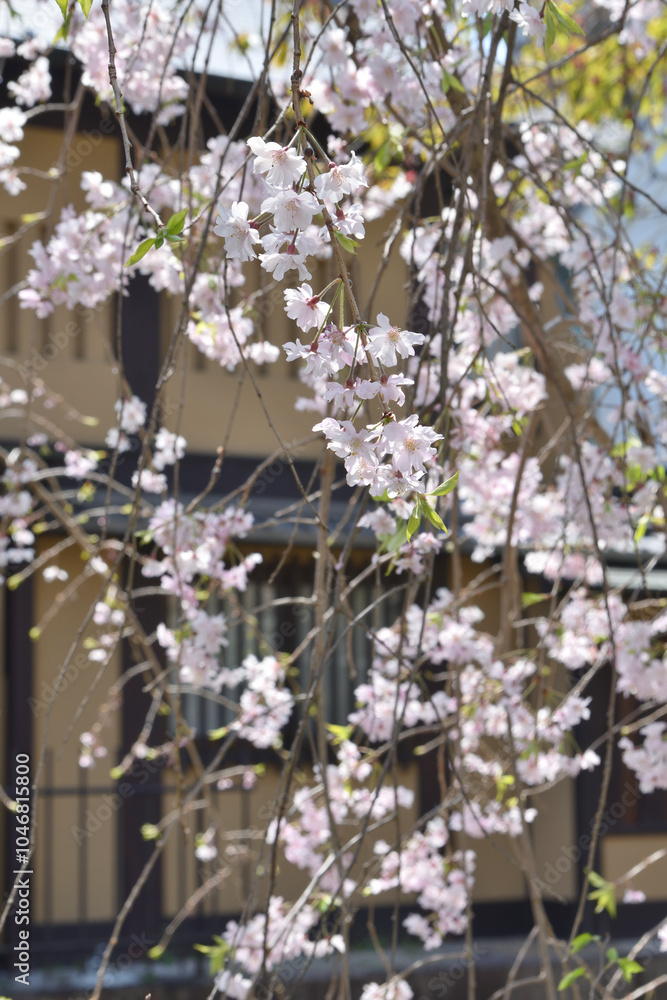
410,444
386,341
305,308
281,165
339,181
240,237
291,210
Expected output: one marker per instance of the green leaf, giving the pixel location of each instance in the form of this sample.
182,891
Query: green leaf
570,977
566,22
218,734
432,515
605,899
216,952
144,535
140,252
415,521
29,217
604,896
63,31
629,967
487,25
392,543
175,224
159,240
340,733
451,82
582,940
446,487
504,782
527,600
576,163
85,6
346,242
383,157
552,27
611,954
63,7
325,903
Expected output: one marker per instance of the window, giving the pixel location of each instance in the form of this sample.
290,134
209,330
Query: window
276,616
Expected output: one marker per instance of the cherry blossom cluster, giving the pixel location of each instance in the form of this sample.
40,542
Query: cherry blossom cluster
12,122
266,704
292,205
487,709
110,616
270,940
82,263
592,631
17,540
442,885
395,989
150,82
306,834
193,545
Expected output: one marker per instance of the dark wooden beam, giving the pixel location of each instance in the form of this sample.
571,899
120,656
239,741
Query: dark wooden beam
141,793
17,721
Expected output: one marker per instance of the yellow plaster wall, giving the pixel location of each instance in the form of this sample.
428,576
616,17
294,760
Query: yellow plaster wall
498,875
554,837
502,867
69,351
621,853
